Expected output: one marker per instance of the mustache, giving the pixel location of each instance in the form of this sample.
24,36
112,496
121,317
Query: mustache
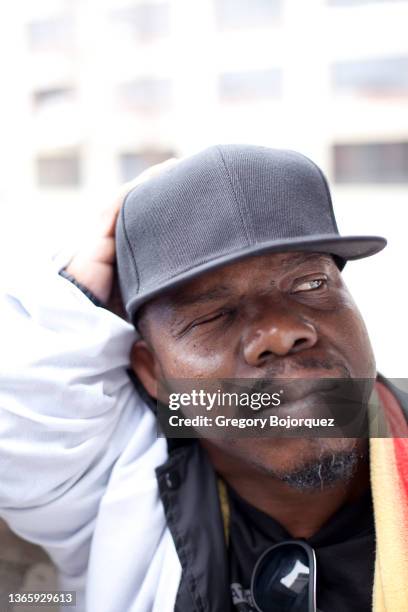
299,363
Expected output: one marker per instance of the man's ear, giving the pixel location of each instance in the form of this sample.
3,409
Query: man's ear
145,366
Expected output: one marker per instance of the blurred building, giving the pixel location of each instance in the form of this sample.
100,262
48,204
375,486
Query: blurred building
96,90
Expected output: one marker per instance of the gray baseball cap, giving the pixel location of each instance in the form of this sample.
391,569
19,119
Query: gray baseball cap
220,205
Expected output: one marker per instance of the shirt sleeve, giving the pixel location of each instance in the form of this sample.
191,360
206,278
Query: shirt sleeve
67,410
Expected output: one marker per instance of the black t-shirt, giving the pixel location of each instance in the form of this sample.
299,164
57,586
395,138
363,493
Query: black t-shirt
344,548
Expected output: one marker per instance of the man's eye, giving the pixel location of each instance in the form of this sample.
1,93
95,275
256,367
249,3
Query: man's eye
214,317
310,285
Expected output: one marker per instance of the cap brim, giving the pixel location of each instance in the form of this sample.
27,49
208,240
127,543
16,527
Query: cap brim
345,247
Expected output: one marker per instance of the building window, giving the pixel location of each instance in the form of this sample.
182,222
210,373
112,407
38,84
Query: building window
53,33
381,162
53,96
146,94
251,85
59,170
233,14
372,77
131,164
143,21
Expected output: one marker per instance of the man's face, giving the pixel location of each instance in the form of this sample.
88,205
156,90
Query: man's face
286,315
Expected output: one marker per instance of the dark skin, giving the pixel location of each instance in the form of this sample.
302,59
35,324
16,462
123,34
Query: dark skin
282,314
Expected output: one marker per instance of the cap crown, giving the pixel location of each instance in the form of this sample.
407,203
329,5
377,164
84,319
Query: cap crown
222,201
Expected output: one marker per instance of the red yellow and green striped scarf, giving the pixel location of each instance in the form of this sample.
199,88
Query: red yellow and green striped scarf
389,483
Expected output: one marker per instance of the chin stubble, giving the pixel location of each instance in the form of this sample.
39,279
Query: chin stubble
326,471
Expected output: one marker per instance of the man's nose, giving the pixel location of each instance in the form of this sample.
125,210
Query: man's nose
279,333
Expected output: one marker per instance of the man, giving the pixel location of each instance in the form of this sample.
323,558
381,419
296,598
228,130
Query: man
230,267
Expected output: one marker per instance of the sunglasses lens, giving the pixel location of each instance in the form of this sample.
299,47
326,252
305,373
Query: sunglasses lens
281,581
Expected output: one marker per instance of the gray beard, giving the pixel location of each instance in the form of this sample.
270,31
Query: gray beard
328,471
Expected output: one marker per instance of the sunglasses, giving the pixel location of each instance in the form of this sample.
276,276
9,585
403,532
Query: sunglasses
284,578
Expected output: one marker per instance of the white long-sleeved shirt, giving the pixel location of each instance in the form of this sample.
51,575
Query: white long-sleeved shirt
78,448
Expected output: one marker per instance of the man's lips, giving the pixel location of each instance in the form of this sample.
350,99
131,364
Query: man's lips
343,400
311,405
302,398
294,389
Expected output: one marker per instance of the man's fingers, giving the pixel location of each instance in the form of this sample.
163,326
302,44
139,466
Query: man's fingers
110,214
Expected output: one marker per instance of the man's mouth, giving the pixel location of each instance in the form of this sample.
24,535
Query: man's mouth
295,390
342,400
